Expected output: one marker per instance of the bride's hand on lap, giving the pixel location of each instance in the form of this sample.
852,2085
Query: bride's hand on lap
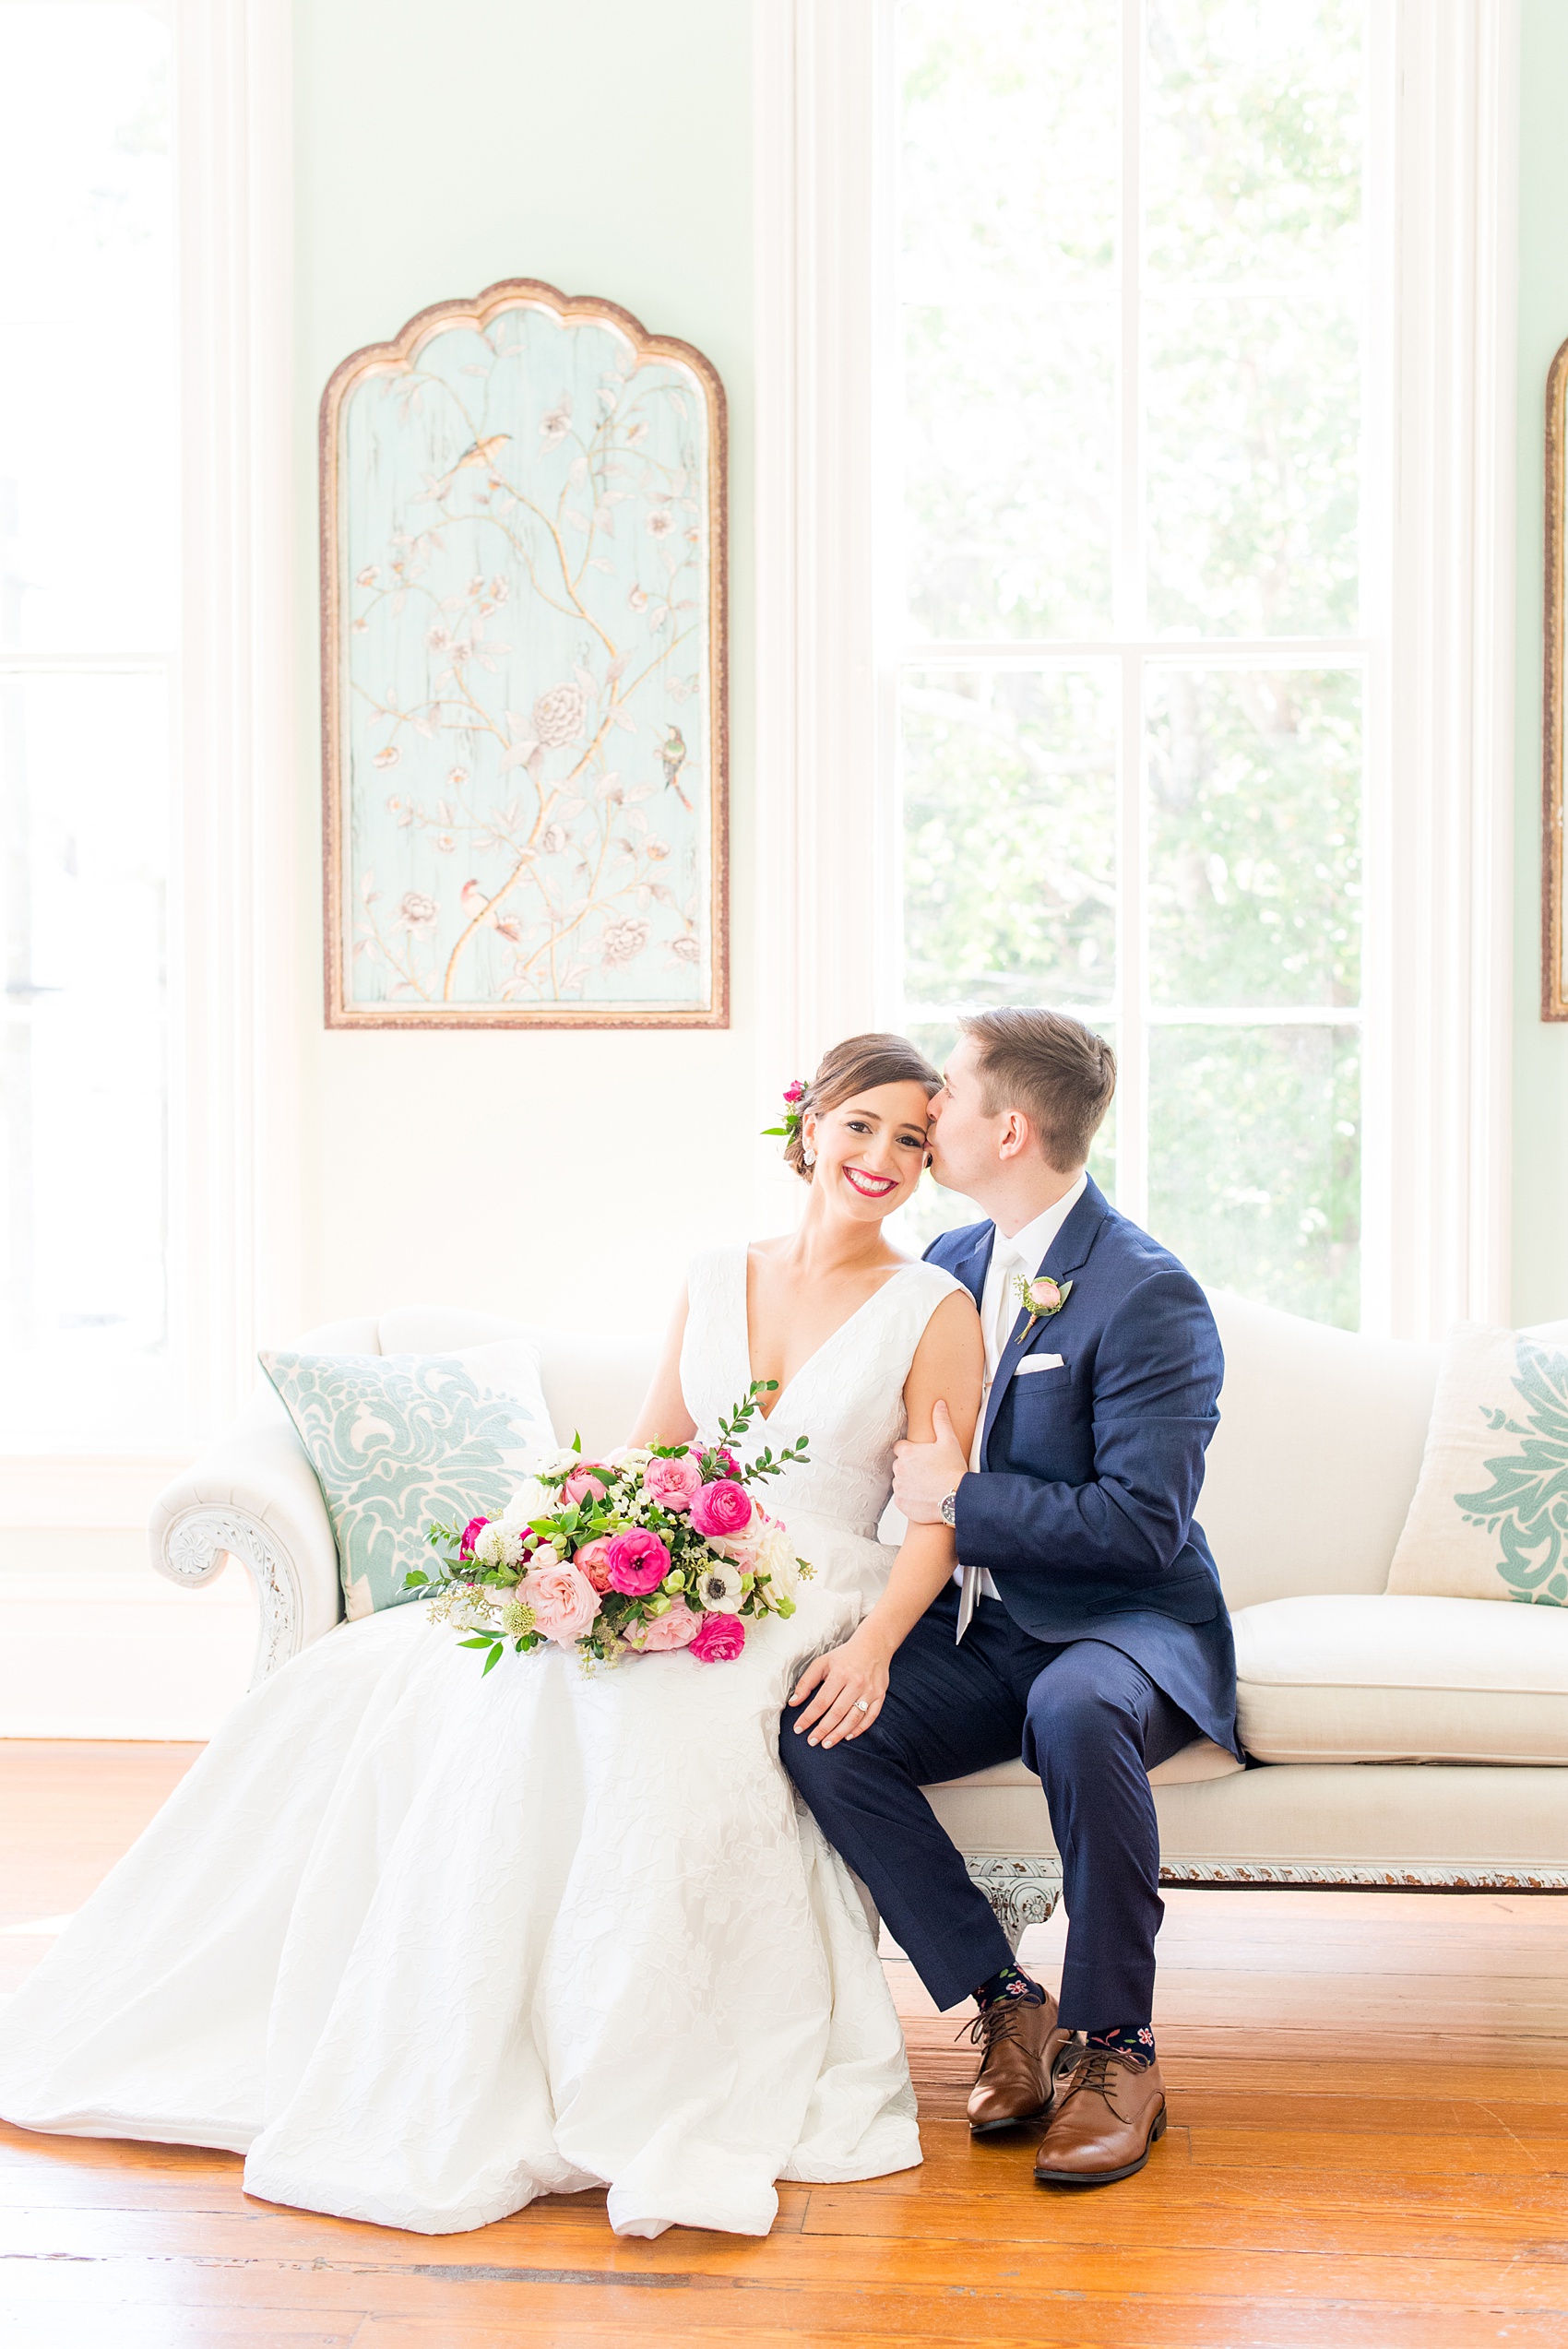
845,1690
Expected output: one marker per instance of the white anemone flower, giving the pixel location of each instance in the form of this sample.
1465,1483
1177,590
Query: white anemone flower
719,1588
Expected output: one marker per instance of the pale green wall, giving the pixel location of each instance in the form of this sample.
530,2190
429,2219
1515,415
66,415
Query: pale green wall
604,145
1540,1052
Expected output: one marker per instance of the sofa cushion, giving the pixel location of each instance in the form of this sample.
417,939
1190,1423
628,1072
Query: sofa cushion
1364,1678
399,1440
1202,1759
1489,1515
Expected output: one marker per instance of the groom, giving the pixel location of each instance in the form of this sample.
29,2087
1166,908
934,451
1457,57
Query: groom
1085,1627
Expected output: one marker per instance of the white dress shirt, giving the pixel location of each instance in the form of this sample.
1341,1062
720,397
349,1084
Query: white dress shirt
1025,1252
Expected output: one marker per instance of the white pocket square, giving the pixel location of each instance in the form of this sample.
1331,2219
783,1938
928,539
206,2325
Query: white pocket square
1038,1362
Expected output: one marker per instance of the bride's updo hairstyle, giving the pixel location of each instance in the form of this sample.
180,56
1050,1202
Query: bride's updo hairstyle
857,1065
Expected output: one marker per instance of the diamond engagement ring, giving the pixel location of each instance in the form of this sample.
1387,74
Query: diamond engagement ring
860,1705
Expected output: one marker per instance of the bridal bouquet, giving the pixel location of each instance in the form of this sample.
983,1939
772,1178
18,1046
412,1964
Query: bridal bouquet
650,1549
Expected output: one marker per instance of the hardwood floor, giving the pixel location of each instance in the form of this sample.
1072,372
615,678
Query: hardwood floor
1368,2149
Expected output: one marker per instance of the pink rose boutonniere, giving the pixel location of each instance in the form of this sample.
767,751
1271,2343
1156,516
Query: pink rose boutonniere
1041,1298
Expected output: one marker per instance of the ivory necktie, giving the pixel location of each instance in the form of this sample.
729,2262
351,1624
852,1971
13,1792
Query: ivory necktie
1006,1263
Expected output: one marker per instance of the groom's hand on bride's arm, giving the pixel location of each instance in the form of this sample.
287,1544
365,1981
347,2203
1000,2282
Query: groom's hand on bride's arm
924,1474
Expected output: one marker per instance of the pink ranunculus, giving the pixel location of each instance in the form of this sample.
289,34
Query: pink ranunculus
471,1533
583,1484
564,1601
677,1627
721,1508
719,1639
729,1465
593,1560
671,1483
637,1563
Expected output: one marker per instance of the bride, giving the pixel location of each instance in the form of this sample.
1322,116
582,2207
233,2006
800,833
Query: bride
424,1946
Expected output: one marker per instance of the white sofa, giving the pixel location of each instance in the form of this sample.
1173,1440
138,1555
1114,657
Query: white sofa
1404,1741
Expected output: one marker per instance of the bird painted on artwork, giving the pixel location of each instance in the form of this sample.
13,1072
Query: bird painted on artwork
673,754
477,452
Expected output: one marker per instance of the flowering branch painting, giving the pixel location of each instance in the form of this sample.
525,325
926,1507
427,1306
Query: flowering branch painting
523,588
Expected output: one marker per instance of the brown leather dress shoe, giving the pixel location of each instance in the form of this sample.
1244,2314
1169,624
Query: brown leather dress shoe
1020,2042
1108,2112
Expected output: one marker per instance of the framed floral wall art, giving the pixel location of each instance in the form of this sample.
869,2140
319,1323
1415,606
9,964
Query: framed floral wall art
523,595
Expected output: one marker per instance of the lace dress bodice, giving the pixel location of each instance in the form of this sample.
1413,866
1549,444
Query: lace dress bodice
848,1397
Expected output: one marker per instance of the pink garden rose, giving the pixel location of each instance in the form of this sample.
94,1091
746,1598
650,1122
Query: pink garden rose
719,1639
721,1509
637,1563
593,1560
471,1533
564,1601
677,1627
583,1484
671,1483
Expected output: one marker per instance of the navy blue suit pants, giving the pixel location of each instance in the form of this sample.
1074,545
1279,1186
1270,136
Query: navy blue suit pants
1088,1720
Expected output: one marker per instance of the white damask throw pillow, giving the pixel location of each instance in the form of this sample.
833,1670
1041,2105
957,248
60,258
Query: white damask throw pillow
1490,1519
397,1440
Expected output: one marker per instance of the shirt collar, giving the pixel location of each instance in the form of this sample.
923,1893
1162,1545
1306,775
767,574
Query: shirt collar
1032,1244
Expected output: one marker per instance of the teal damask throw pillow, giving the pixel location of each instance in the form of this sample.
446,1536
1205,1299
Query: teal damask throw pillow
1490,1519
397,1440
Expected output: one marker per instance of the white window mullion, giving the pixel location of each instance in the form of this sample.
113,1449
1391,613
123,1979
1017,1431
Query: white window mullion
1132,953
1131,608
233,960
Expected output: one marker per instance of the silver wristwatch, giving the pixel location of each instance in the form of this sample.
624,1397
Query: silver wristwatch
950,1507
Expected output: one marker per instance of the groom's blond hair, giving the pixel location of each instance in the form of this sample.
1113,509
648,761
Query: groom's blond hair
1058,1072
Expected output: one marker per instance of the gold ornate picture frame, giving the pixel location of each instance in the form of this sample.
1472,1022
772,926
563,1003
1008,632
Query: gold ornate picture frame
524,612
1554,814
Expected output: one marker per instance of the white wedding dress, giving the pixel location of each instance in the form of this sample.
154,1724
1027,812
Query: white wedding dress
424,1946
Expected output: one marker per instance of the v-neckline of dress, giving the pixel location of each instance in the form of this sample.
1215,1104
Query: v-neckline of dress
817,1351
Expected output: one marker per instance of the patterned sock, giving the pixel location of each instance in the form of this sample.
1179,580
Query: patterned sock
1011,1982
1133,2039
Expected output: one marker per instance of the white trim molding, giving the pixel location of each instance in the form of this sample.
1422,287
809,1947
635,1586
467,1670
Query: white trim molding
1444,855
234,1207
825,824
1438,610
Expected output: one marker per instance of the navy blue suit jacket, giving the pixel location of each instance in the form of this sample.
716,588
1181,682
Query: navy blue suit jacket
1083,1513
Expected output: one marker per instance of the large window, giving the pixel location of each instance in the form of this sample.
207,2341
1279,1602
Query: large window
89,537
1136,614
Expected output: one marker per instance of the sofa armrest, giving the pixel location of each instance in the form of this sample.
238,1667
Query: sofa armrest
253,1495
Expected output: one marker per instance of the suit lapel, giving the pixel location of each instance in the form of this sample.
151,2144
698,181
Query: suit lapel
970,1267
1067,1252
